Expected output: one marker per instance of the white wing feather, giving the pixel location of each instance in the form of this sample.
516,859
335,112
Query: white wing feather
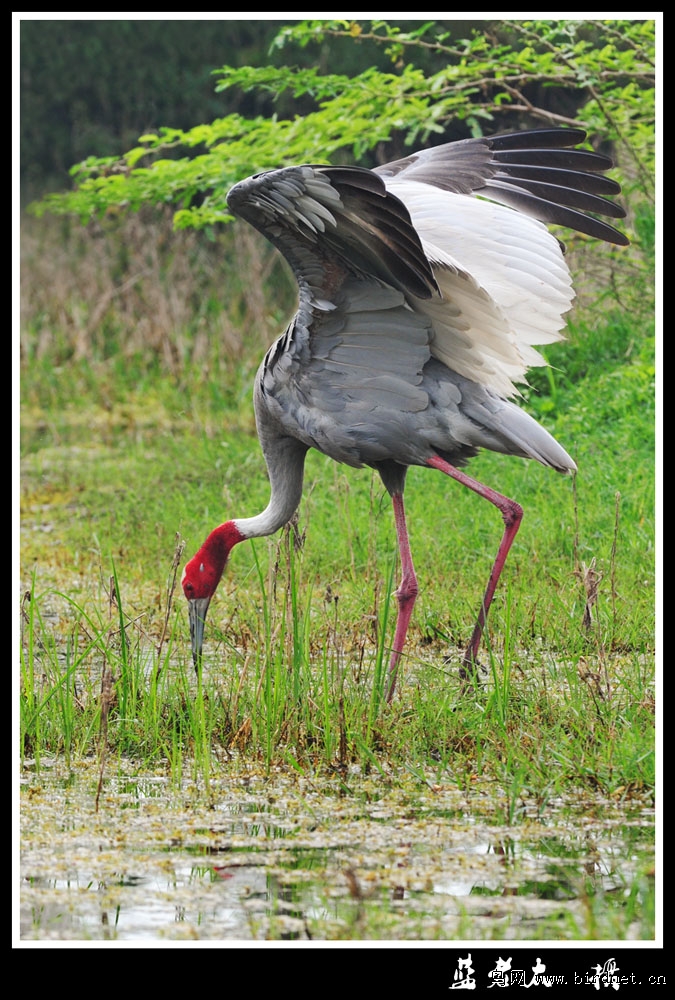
503,272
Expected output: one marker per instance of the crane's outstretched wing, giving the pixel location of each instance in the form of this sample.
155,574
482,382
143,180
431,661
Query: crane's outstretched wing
478,282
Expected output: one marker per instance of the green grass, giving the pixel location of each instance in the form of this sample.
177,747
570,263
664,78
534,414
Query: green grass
297,637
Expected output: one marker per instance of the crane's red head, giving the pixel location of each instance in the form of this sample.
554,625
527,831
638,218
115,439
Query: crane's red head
202,575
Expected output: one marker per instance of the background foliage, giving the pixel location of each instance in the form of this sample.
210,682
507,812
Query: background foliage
437,86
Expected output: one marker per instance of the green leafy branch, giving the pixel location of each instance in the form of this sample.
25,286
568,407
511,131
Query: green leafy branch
608,66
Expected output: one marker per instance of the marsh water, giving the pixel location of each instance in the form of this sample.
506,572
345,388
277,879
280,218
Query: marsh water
251,857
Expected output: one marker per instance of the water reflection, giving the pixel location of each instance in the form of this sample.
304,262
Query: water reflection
303,864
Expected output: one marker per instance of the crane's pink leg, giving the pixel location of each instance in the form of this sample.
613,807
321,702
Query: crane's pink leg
512,513
406,593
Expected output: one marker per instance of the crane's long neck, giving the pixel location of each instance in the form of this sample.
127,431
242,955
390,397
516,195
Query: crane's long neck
285,458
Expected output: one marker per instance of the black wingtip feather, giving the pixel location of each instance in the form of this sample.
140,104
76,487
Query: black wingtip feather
553,213
539,172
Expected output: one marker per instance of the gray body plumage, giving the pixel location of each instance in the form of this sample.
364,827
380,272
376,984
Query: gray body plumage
419,304
363,388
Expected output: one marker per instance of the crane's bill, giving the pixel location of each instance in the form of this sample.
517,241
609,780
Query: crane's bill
197,609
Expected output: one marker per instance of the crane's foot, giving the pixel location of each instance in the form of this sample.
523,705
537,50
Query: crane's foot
473,675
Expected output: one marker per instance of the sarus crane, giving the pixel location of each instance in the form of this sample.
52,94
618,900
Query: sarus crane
424,285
